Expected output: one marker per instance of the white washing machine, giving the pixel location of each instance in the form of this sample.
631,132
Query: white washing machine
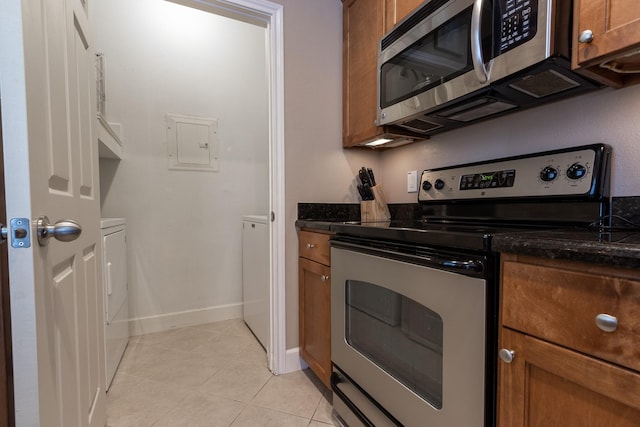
116,294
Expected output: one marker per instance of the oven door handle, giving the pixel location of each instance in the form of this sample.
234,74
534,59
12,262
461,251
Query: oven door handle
468,265
463,266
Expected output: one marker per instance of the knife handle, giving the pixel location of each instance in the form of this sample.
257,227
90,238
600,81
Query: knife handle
372,179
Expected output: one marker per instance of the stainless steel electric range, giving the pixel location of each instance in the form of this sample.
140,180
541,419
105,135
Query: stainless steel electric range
414,303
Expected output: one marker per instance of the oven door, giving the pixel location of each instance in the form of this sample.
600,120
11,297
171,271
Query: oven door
407,337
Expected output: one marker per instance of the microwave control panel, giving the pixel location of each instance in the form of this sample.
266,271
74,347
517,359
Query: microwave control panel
557,173
518,22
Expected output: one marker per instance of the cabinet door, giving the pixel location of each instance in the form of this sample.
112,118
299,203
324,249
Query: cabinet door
315,317
397,10
549,386
615,26
363,26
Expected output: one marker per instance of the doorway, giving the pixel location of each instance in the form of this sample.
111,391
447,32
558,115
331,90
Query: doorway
166,232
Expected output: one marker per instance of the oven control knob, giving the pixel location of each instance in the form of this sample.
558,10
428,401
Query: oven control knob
426,186
548,174
576,171
439,184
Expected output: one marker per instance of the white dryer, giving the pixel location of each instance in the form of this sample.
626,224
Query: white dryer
116,294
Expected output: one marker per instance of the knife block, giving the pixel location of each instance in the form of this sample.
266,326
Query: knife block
375,210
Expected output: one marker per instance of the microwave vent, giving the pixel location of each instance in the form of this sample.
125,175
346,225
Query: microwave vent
544,84
421,125
476,109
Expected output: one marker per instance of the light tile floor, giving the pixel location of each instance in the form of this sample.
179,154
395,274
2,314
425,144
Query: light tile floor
212,375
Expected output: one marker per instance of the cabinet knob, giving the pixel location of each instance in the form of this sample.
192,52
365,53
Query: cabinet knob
324,278
507,355
606,322
586,36
310,246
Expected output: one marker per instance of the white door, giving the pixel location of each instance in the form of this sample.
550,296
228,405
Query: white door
47,90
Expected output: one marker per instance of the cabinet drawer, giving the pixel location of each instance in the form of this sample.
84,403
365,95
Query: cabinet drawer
560,303
314,246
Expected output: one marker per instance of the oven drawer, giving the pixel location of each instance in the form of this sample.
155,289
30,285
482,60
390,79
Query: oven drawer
560,301
314,246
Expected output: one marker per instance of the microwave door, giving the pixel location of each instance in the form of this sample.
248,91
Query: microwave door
437,57
440,66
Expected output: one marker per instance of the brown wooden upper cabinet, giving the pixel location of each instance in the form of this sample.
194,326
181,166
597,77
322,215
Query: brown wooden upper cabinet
397,10
607,40
364,24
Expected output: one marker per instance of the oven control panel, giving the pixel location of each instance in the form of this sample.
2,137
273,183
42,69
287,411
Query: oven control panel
568,172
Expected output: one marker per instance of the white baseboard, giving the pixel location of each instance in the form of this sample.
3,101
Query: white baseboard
164,322
293,361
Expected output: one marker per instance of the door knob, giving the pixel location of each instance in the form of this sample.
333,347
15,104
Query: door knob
64,230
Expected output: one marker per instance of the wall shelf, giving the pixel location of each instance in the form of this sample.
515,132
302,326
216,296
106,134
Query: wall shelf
109,143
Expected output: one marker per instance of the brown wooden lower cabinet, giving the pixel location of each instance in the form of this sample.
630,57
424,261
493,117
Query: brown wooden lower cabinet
547,385
314,291
557,367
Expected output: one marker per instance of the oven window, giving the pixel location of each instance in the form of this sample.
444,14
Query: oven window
401,336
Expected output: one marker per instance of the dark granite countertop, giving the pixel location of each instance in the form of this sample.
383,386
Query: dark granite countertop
620,248
312,224
321,216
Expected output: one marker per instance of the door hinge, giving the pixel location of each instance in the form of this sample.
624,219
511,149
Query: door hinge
273,216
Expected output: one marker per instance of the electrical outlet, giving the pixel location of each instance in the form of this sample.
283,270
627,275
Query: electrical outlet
412,182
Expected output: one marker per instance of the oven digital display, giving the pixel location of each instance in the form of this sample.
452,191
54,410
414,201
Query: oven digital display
497,179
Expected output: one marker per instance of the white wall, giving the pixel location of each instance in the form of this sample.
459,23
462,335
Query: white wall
166,276
184,228
607,116
317,168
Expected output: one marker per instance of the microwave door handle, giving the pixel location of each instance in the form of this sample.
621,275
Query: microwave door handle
476,43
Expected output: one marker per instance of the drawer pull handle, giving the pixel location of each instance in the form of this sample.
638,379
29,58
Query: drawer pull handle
324,278
310,246
506,355
606,322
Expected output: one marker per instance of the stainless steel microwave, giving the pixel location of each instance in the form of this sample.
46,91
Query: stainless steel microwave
454,62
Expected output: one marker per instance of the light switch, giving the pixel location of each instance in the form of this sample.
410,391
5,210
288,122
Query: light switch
412,182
